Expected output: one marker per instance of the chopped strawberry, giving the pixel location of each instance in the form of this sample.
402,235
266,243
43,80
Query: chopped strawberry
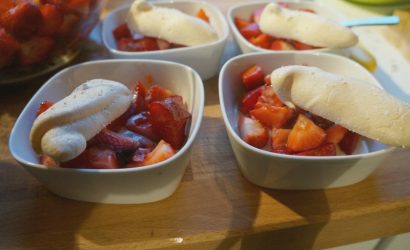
272,116
263,41
22,21
138,96
5,5
78,7
280,44
8,48
349,142
335,134
157,93
169,118
143,141
305,135
256,15
268,96
162,44
52,20
202,15
328,149
113,140
253,77
252,132
240,23
135,45
161,152
43,107
94,158
48,161
252,30
140,124
36,50
249,100
137,159
279,139
122,31
302,46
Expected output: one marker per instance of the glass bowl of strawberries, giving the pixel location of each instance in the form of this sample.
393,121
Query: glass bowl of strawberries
39,36
282,146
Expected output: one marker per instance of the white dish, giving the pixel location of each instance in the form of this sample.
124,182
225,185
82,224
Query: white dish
205,59
280,171
245,10
127,185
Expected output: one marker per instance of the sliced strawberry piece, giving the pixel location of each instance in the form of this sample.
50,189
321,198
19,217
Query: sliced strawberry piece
240,23
138,96
137,159
169,118
262,41
272,116
113,140
201,14
349,142
250,99
143,44
122,31
5,5
8,48
48,161
160,153
162,44
302,46
140,124
78,7
52,20
43,107
22,21
94,158
253,77
328,149
268,96
252,30
279,139
157,93
36,50
280,44
335,134
142,141
256,15
305,135
252,132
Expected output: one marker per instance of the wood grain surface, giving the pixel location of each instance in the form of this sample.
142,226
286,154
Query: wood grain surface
215,207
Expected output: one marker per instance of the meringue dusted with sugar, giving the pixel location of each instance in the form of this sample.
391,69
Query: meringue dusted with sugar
169,24
355,104
305,27
62,131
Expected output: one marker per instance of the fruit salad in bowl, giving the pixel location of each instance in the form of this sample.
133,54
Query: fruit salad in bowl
115,131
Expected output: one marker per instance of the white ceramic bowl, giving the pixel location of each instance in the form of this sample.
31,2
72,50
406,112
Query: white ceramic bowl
245,10
127,185
280,171
205,59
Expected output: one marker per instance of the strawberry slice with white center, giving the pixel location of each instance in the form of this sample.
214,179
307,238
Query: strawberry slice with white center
335,134
252,132
279,139
160,153
272,116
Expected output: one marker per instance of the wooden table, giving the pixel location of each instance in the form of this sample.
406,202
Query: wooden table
214,207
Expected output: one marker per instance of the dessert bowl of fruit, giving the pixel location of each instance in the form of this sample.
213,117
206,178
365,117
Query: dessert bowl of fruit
37,37
308,120
193,33
289,25
113,131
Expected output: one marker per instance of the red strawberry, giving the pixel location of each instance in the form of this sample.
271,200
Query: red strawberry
143,141
160,153
279,138
137,159
252,132
256,15
328,149
142,44
280,44
249,100
305,135
268,96
349,142
8,48
138,96
114,141
43,107
272,116
335,134
202,15
122,31
262,41
5,5
157,93
140,124
36,50
48,161
253,77
240,23
169,118
252,30
22,21
52,20
302,46
95,158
